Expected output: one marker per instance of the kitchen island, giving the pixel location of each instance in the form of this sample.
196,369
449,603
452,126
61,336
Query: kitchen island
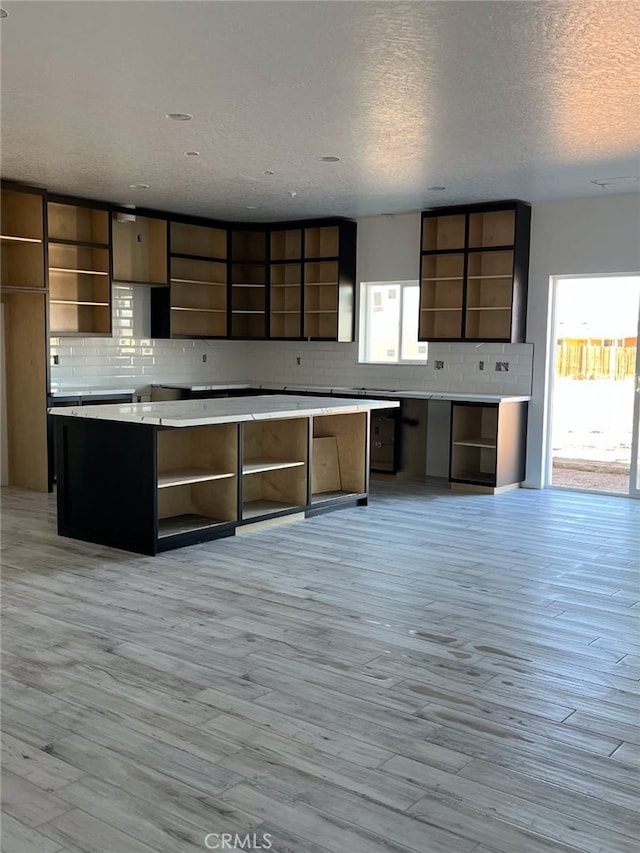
150,477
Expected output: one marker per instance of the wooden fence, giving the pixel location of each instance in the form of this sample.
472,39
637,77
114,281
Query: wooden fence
596,358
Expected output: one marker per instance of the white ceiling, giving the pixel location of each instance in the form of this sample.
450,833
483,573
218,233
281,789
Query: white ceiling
491,100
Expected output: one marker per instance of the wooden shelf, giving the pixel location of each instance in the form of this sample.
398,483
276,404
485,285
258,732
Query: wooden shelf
200,310
14,239
320,497
76,302
256,466
183,476
255,508
186,523
489,308
77,271
476,442
198,281
454,309
487,277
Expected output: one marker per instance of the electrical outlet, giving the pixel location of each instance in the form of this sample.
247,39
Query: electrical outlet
204,358
481,365
55,359
502,365
298,360
438,365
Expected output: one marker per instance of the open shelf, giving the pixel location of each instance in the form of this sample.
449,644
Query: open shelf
474,436
184,476
255,466
477,257
77,224
338,455
443,232
197,482
22,256
274,467
492,228
321,242
174,525
286,245
140,250
199,240
260,507
248,246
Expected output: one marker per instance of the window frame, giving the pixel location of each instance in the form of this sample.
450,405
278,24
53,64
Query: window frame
364,333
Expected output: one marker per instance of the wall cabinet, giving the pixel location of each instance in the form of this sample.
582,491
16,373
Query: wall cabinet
198,281
24,335
474,272
79,249
487,445
139,249
248,271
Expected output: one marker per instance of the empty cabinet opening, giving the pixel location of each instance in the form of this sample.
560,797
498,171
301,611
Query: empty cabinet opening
274,467
197,478
474,431
339,456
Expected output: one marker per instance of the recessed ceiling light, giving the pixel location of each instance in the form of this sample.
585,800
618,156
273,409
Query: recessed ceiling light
292,193
329,159
138,186
268,172
251,207
436,189
4,13
191,153
179,116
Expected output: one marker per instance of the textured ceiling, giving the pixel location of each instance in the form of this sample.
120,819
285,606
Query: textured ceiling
530,100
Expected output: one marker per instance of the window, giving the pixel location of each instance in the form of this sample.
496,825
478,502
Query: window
389,323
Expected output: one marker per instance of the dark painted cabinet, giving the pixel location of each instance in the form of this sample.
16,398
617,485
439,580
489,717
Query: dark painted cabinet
474,271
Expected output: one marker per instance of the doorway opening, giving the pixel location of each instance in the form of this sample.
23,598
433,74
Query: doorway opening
594,400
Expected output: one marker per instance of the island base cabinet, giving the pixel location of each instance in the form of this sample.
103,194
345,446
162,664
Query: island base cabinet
340,453
274,467
148,487
106,474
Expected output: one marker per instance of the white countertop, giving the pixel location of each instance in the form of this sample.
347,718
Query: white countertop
358,392
91,392
186,413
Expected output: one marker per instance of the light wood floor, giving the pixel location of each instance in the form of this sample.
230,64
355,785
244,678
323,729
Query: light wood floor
436,673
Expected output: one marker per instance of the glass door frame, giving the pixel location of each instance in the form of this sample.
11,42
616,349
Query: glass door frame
634,473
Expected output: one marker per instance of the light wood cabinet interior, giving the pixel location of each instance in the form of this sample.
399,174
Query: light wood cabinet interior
201,240
197,477
274,465
77,223
286,245
321,242
350,433
140,250
26,388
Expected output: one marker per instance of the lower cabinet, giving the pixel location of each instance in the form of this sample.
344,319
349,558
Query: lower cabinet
487,445
148,488
197,482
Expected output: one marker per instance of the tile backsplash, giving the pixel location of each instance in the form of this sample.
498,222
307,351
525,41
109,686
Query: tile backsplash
131,359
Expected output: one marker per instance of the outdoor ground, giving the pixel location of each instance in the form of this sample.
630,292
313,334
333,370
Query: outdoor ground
592,434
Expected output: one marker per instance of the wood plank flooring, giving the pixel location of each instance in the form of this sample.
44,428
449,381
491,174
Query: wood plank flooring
434,673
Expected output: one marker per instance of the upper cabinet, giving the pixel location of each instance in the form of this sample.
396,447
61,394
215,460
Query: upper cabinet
248,291
474,272
198,279
22,238
312,281
139,249
79,248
